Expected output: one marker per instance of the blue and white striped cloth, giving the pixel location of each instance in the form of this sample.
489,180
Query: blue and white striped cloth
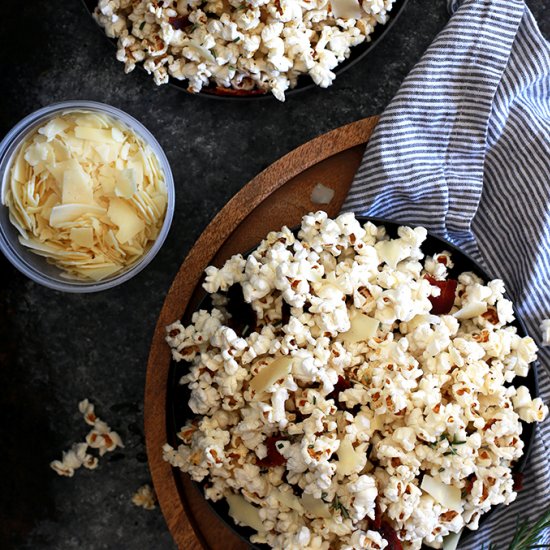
464,149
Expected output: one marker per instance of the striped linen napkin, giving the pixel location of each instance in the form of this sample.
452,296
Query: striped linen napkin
464,149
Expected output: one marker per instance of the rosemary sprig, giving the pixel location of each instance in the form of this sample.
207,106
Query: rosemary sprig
526,536
337,505
452,444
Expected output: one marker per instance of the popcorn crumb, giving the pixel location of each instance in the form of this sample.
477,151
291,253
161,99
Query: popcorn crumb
100,437
73,459
145,497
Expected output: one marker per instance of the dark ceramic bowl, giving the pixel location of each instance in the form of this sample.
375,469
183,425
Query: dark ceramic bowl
178,396
304,81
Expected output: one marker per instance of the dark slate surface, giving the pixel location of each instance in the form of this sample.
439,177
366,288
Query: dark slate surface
56,349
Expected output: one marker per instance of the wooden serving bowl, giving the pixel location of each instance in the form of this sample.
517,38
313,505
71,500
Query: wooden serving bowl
278,196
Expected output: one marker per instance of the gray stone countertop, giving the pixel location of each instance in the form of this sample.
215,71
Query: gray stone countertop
56,349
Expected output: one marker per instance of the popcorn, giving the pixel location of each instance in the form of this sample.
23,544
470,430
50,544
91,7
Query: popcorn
350,398
145,498
100,437
264,45
73,459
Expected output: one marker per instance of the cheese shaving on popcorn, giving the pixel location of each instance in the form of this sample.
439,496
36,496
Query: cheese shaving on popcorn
242,45
369,403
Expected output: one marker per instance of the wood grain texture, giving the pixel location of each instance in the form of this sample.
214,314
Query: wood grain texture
280,195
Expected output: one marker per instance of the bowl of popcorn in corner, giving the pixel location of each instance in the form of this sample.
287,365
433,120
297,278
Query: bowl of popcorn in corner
352,383
87,196
237,49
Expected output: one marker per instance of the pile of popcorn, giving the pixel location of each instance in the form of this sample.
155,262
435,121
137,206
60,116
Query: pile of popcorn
371,402
242,45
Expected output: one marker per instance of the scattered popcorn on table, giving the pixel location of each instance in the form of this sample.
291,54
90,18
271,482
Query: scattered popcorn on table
367,397
100,437
145,497
242,45
73,459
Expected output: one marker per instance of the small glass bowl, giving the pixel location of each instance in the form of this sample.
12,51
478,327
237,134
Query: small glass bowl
36,267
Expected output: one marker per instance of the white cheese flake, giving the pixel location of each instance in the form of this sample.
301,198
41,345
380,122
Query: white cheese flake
363,327
316,507
471,310
64,213
77,187
447,495
269,374
94,134
125,218
349,460
244,513
82,236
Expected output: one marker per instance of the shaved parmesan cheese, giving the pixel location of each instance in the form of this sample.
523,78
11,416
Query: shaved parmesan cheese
447,495
93,134
362,328
91,120
316,507
137,170
392,252
36,153
244,513
86,193
201,51
107,184
347,9
126,184
77,187
269,374
69,212
58,169
288,499
450,542
128,222
469,311
349,459
54,127
82,236
20,170
101,272
107,152
117,135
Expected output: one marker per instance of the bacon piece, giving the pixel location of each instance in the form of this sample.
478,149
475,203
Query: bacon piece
518,478
388,533
219,90
274,457
179,23
443,303
341,385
